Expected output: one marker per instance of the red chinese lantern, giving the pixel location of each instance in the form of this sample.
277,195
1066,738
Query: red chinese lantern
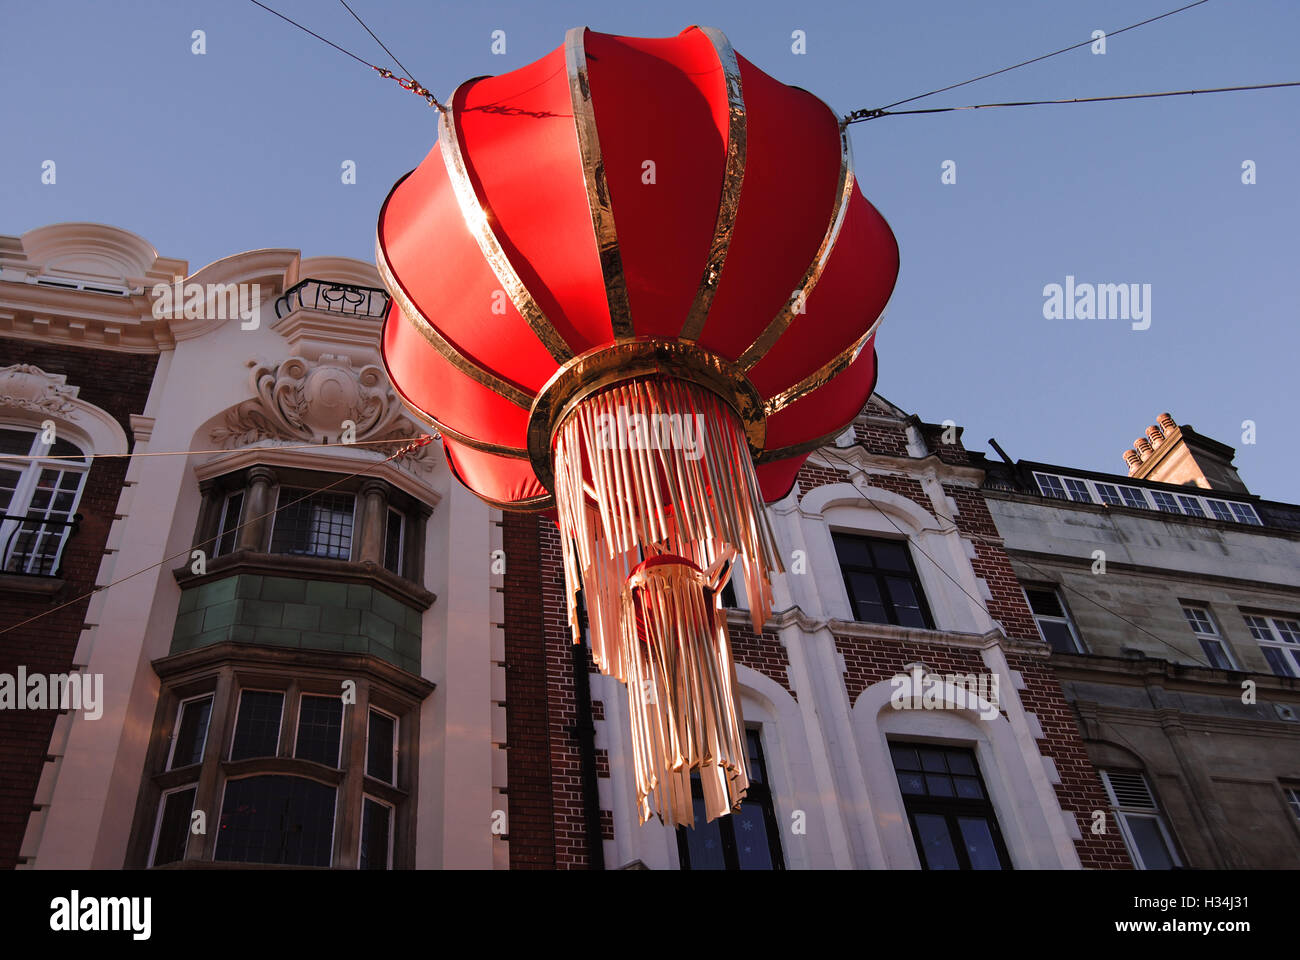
635,284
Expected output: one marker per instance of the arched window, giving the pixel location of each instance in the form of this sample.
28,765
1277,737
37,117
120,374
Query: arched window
38,496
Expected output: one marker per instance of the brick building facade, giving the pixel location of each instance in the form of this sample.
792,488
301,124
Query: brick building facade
902,707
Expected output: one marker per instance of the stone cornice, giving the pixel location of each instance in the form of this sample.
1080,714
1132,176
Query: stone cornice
309,568
795,617
178,667
1154,671
1142,570
859,457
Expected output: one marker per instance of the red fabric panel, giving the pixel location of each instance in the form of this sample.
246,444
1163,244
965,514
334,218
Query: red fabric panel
776,478
852,292
521,151
430,383
661,100
502,479
792,166
831,406
442,269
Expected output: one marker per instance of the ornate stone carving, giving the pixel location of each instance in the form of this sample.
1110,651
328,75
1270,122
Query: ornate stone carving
30,387
304,401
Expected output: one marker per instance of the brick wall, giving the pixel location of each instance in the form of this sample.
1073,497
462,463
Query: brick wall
869,661
1080,790
528,755
763,652
118,383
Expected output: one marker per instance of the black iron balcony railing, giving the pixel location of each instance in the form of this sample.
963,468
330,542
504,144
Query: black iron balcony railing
341,298
33,545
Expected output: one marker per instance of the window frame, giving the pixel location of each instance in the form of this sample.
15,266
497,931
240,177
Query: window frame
17,513
880,573
392,827
1215,635
234,726
1290,652
1122,812
276,517
158,822
335,788
297,727
950,808
1173,502
1067,619
176,730
397,744
760,792
223,515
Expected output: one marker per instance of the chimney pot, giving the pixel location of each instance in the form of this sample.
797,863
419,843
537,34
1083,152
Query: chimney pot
1156,437
1166,422
1133,460
1143,447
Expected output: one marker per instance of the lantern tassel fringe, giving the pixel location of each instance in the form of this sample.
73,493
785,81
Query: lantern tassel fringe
658,502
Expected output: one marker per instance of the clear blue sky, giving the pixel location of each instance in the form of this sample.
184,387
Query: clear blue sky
241,148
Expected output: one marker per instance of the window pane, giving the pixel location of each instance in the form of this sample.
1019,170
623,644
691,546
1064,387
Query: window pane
1133,497
1288,630
1109,494
8,484
936,846
852,551
1057,635
980,848
907,607
1244,513
752,849
230,516
959,761
1050,485
937,786
1191,506
932,760
320,725
376,826
1220,510
864,591
704,841
754,748
1165,502
890,555
273,819
191,733
910,782
1200,620
1216,654
16,442
318,526
393,542
1149,841
379,746
1278,662
174,830
968,788
905,758
1077,489
1045,602
257,729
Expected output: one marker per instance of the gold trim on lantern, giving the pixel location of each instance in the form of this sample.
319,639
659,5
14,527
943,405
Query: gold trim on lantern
844,189
670,359
732,179
823,375
504,388
598,200
478,220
